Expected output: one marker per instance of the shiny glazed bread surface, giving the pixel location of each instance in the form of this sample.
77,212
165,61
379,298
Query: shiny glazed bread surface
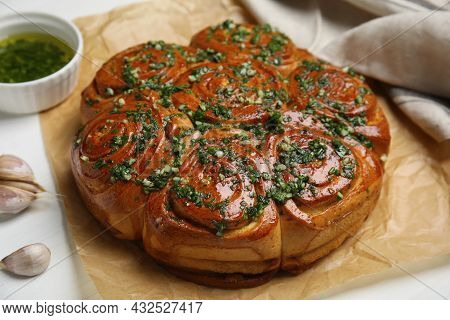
233,158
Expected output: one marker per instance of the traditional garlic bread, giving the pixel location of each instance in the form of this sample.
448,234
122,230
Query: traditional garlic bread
230,159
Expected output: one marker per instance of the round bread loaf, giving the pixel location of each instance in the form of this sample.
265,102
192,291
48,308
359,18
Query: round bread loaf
230,159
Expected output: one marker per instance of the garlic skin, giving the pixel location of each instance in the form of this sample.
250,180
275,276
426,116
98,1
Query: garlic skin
14,200
28,261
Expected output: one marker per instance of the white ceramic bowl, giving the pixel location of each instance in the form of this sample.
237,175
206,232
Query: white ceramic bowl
41,94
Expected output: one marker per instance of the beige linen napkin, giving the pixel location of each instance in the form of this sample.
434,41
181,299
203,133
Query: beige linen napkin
409,50
385,7
435,121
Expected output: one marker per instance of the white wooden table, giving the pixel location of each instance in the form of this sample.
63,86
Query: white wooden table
45,221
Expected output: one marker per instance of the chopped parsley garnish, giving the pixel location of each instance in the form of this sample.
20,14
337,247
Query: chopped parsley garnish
189,193
149,127
212,153
240,35
118,141
282,191
100,163
198,73
311,65
123,171
275,122
207,54
255,211
129,74
228,24
220,227
277,43
348,168
333,171
221,206
257,129
158,179
305,83
221,111
292,154
356,121
323,81
339,128
244,70
253,174
340,148
199,115
178,146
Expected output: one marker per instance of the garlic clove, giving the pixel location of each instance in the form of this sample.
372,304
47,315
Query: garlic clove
14,168
26,186
14,200
29,261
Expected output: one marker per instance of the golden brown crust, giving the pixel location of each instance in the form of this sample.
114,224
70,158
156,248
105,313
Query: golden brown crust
233,158
223,280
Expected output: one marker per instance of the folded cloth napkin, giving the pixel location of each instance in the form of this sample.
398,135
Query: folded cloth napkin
385,7
435,121
409,50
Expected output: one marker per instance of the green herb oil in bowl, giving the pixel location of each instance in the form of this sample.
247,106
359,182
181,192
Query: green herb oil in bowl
30,56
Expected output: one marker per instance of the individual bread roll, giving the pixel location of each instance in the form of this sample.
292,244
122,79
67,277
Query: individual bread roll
148,66
325,188
214,218
249,42
114,153
243,91
341,100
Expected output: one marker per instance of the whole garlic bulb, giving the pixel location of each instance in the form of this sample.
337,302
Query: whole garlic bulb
18,187
29,261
